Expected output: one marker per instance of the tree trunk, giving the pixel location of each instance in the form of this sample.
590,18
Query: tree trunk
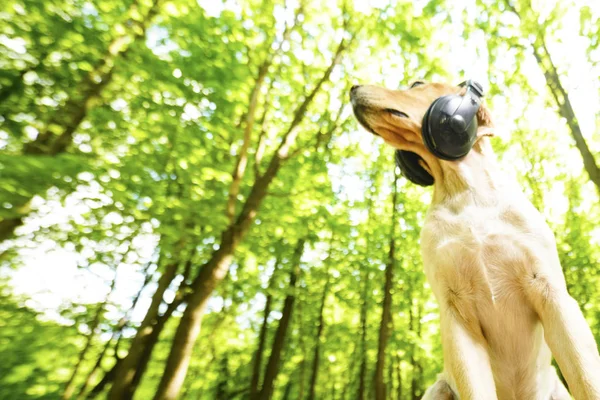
288,389
76,108
399,376
363,341
302,365
221,392
349,379
315,363
149,345
301,372
116,334
259,351
278,342
106,380
216,268
390,382
254,383
70,385
414,381
242,160
386,314
189,326
565,108
140,368
122,387
92,375
415,384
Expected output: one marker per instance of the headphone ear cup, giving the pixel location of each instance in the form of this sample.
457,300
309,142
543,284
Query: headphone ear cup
432,124
408,162
439,131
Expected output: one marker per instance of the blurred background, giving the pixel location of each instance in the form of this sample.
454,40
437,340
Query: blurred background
189,210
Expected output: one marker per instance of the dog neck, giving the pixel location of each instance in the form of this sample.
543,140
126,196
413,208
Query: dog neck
474,176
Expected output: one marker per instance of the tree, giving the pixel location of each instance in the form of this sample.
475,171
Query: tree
223,138
272,368
535,28
317,352
254,383
386,313
214,270
59,130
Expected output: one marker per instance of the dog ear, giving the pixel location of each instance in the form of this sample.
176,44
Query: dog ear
484,118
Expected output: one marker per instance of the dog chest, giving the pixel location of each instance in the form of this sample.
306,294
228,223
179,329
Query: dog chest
487,251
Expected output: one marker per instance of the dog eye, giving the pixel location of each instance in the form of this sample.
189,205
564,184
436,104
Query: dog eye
417,83
397,113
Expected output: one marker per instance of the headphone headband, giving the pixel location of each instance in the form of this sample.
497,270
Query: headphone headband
476,86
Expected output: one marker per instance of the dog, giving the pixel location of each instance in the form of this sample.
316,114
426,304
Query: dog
488,254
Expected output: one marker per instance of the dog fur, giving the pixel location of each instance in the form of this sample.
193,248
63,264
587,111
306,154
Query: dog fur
492,263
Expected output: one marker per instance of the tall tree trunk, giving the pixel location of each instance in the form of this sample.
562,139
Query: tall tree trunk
561,97
278,342
210,339
302,364
350,374
399,376
363,342
116,334
94,372
301,373
106,380
288,389
414,383
417,369
255,380
221,392
213,272
146,353
390,382
315,363
386,313
565,108
77,107
122,387
153,340
70,385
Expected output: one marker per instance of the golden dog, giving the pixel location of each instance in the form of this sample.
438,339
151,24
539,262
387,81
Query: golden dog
492,263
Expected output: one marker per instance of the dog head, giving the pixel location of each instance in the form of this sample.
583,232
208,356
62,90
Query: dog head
397,115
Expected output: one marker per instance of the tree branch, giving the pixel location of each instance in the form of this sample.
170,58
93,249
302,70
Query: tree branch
242,159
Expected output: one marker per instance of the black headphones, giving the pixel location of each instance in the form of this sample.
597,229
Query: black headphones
449,130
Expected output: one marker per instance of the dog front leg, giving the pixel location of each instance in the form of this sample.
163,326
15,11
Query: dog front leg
466,359
568,336
440,390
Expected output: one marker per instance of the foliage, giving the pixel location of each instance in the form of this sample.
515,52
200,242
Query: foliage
160,96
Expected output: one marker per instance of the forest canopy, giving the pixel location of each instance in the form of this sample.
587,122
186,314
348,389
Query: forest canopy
189,209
